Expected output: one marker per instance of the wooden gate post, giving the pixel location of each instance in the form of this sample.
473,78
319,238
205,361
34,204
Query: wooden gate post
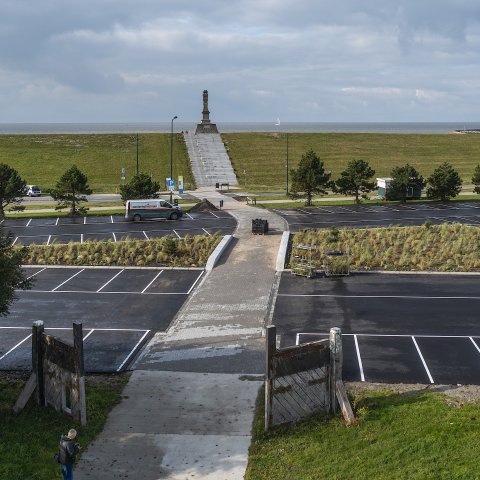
80,371
271,346
336,363
37,359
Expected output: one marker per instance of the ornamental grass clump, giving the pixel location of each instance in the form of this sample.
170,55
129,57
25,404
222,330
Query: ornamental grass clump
165,252
446,247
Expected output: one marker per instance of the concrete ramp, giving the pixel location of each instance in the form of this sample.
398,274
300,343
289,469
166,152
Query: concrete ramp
210,161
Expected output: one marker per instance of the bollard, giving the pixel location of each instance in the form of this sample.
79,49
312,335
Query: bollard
221,203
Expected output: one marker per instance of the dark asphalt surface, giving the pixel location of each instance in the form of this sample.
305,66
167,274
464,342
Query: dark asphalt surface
380,215
115,227
396,328
120,309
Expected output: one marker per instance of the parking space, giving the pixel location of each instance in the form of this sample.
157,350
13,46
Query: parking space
380,215
395,328
115,228
120,309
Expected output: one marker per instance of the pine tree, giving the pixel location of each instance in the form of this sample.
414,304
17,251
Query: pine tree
356,179
444,182
71,189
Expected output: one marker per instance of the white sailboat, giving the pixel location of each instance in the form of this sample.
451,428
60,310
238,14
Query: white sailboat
278,122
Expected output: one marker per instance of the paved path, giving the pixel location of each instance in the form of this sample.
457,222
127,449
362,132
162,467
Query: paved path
188,408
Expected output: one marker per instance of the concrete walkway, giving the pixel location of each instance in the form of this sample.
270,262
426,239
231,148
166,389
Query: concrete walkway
187,410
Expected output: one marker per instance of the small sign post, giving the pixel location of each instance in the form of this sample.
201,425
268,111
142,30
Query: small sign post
123,173
180,185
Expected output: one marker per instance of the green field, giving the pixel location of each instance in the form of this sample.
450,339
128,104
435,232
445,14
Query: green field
262,155
41,159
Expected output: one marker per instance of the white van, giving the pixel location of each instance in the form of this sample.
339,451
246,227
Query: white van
151,209
33,191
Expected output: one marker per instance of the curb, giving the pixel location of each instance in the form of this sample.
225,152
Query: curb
282,252
217,253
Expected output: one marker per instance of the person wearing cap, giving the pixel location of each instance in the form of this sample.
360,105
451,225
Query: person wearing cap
67,452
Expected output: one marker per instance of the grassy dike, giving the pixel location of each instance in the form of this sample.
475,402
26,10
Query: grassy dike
29,440
262,155
41,159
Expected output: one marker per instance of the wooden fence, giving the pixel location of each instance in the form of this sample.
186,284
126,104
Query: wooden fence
302,379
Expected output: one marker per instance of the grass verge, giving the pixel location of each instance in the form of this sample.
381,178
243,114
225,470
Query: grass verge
29,440
444,248
416,436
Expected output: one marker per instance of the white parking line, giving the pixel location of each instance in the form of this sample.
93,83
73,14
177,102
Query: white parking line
81,238
15,241
156,276
475,344
111,218
422,359
113,278
88,334
359,358
30,221
304,211
327,295
13,348
84,220
56,223
214,215
146,236
188,215
68,279
133,350
207,232
36,273
48,241
176,234
194,283
114,237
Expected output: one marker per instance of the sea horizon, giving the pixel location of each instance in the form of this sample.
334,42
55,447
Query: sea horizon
231,127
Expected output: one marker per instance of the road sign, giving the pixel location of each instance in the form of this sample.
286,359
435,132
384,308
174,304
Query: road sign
170,184
123,173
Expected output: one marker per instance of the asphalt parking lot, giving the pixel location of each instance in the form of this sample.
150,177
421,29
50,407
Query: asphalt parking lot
114,227
395,328
120,309
380,215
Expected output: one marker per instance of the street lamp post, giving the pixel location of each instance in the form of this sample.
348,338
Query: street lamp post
286,173
137,154
171,155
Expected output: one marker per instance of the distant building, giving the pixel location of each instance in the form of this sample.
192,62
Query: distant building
384,183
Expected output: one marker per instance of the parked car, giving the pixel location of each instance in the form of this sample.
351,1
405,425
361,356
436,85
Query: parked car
33,191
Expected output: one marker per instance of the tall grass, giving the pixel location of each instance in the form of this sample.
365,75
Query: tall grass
163,252
442,248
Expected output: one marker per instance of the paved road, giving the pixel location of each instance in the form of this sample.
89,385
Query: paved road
380,215
396,328
114,227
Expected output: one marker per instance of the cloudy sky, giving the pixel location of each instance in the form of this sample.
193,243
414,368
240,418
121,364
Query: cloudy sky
302,60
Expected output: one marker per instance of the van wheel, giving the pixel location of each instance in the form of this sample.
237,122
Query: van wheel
174,216
137,218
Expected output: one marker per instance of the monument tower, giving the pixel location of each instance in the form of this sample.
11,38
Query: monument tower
206,126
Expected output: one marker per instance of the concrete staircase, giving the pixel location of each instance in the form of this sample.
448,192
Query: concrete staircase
209,159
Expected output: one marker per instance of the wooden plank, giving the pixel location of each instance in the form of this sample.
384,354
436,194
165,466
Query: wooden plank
345,403
26,393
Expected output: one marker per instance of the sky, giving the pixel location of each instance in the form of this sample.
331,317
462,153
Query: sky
301,61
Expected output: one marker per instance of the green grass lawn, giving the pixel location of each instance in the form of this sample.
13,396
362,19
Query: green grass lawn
29,440
262,155
424,436
42,159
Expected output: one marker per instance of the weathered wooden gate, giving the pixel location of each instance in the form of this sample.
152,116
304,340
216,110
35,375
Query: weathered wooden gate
301,380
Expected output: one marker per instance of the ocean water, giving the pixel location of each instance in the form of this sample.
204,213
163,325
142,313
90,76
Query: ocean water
386,127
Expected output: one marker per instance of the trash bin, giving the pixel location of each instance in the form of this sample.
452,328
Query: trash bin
259,226
217,185
175,202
